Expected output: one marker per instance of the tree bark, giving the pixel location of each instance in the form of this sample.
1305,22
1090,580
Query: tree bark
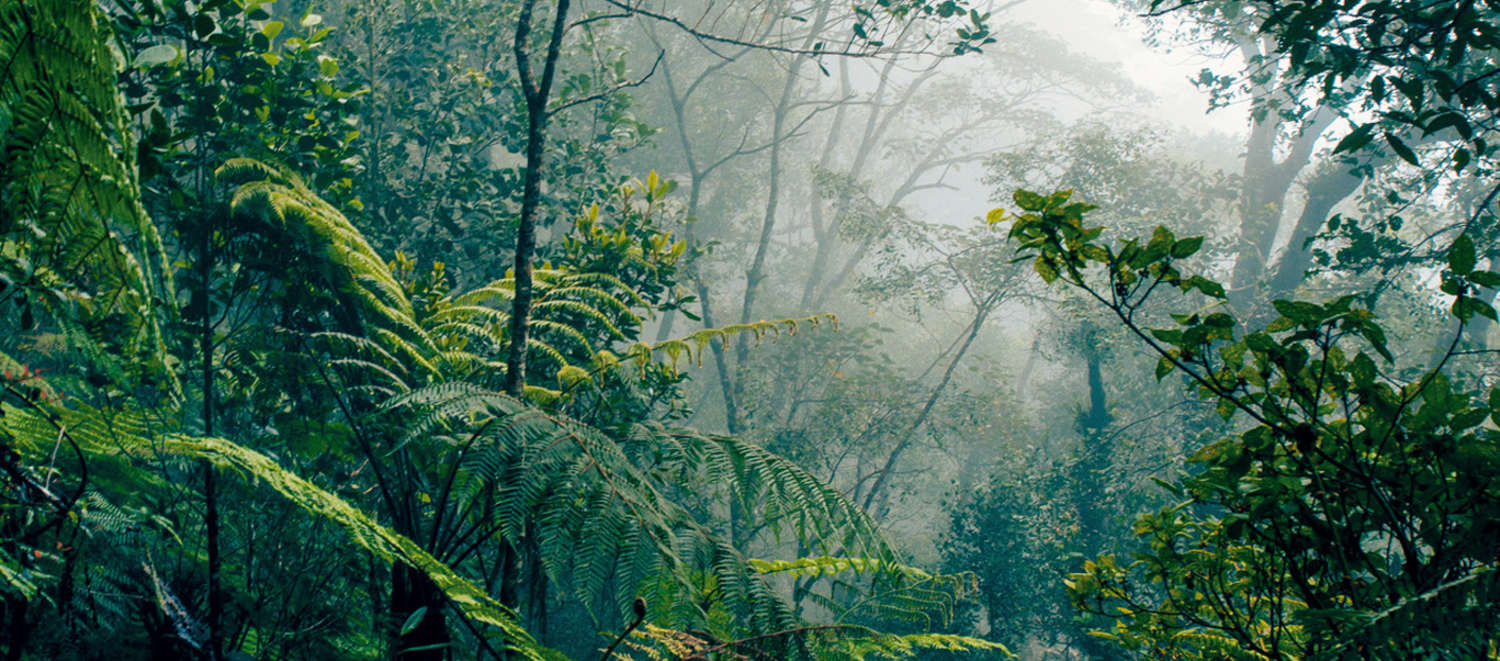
537,92
1324,191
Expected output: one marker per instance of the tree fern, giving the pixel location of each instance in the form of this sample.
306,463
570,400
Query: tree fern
834,643
380,540
599,507
71,222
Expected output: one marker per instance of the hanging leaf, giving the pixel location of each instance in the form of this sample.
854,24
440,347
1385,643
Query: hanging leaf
156,56
1401,149
1461,256
1356,139
413,620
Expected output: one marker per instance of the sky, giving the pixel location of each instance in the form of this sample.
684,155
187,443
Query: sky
1100,30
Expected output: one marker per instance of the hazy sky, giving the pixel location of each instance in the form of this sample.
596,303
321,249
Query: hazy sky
1093,27
1100,30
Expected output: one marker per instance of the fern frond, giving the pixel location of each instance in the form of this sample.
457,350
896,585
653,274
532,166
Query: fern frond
544,309
875,645
73,230
1214,645
385,543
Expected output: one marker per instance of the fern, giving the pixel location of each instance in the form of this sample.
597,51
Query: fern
379,540
73,233
598,507
834,643
875,645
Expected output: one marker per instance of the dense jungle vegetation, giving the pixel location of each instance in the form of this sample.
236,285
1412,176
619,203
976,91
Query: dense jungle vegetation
639,329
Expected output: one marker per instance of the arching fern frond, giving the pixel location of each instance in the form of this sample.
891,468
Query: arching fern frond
600,509
73,232
341,255
383,542
838,641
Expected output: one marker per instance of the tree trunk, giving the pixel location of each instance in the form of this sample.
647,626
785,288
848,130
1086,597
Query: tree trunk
1092,463
412,590
538,93
1324,191
882,478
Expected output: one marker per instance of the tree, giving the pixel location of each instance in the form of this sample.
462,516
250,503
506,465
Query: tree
1348,516
389,379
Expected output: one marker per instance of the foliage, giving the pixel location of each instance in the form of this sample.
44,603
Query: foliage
76,238
1348,515
363,392
384,543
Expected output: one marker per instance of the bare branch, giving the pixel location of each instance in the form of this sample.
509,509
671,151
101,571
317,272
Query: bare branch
624,85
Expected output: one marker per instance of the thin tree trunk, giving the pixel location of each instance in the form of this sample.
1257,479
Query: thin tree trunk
824,241
1266,183
206,355
756,272
883,476
1093,459
538,93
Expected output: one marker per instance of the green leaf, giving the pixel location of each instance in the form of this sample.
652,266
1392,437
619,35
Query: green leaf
1469,418
1225,408
1363,370
1206,286
413,620
156,56
1375,335
1449,120
1219,320
1186,247
1044,268
1465,307
1164,367
1485,278
1356,139
1029,201
1401,149
203,25
1461,160
1299,311
1461,255
1171,488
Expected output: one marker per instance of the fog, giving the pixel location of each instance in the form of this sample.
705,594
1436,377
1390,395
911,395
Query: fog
749,329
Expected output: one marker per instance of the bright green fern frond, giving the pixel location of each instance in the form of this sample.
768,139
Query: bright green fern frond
546,309
502,291
821,566
600,299
873,645
564,331
609,282
73,231
385,543
1207,645
345,259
